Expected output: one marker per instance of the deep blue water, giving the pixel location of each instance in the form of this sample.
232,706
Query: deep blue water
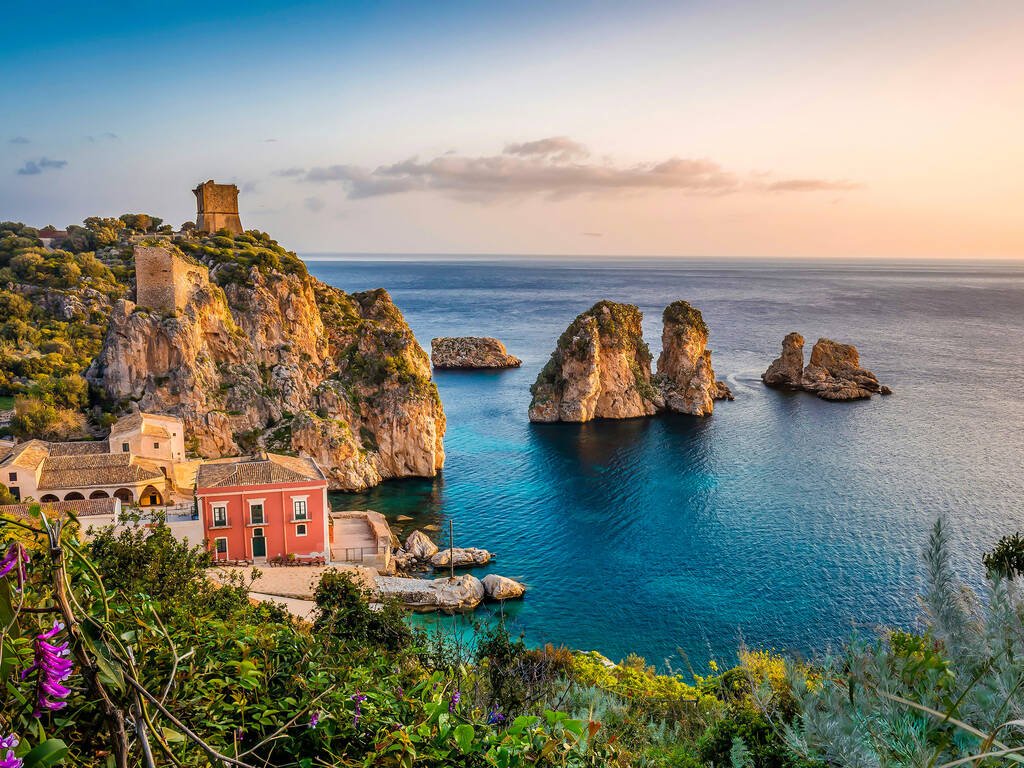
781,519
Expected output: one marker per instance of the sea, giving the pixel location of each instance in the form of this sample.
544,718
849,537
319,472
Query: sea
781,521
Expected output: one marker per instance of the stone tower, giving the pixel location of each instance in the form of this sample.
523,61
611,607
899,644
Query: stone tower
165,280
217,207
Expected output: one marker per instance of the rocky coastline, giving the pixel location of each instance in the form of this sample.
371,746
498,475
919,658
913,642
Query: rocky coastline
833,373
470,352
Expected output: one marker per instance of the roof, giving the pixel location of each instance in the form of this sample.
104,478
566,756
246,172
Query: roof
82,508
88,470
79,448
258,470
145,422
27,455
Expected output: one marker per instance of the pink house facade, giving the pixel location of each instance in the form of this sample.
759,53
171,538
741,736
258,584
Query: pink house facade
261,507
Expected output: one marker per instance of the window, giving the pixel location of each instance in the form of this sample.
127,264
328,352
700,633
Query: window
222,546
300,530
15,492
156,445
126,448
13,477
299,508
220,517
256,514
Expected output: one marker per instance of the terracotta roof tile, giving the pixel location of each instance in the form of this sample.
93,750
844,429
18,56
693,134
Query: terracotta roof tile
85,471
27,455
82,508
258,470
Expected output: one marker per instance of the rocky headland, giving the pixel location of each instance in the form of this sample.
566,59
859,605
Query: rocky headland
471,352
601,368
263,355
833,373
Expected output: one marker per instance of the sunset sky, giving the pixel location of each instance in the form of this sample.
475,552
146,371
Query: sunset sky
860,129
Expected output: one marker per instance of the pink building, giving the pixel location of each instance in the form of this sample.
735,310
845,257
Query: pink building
259,507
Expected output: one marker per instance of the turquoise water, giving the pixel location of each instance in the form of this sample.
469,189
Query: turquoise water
782,520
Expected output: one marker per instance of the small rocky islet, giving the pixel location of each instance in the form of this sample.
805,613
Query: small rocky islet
601,368
834,372
470,352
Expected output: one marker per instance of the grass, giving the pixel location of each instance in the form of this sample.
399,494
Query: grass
6,402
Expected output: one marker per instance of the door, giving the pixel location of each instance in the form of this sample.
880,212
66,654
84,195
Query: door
259,543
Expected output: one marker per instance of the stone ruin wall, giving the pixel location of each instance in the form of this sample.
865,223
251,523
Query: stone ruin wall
165,281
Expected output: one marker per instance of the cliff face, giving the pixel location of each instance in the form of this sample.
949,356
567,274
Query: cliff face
833,373
600,369
787,370
264,358
471,352
685,376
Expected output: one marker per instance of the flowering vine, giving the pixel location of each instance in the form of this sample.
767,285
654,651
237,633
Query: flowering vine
52,667
7,758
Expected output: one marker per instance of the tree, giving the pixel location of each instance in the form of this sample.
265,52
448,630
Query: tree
35,419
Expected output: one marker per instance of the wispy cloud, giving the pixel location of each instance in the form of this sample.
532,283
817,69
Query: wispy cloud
19,140
314,204
556,167
106,136
35,167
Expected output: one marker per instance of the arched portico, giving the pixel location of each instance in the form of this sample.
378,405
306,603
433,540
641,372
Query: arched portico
150,497
74,496
48,498
99,495
125,495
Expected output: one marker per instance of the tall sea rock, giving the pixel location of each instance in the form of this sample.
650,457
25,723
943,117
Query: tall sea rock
685,376
833,373
787,370
600,369
266,356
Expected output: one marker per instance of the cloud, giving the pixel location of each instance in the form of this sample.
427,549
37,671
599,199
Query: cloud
248,187
556,167
19,140
269,141
314,204
290,172
35,167
106,136
810,185
594,234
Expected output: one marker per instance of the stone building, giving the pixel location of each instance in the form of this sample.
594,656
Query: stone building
217,207
165,279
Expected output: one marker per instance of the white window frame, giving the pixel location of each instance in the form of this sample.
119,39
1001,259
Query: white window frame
263,511
213,514
216,550
301,530
304,500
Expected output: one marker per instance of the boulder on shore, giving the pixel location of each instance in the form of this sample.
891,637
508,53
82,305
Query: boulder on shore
419,546
464,557
685,376
600,369
501,587
833,373
471,352
462,593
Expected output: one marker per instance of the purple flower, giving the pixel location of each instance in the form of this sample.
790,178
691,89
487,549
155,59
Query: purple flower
358,698
454,702
7,758
16,556
314,720
52,667
495,717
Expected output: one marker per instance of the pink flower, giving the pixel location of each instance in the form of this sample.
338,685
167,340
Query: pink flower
52,667
16,556
7,758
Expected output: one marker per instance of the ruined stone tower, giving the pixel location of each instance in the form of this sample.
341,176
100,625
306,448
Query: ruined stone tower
217,207
165,280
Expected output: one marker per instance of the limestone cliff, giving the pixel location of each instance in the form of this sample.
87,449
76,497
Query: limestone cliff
833,373
470,352
600,369
268,356
685,376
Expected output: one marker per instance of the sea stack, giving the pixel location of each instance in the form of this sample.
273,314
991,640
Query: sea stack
600,369
833,373
470,352
787,370
685,376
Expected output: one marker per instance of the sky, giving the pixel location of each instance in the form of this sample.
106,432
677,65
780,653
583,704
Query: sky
705,129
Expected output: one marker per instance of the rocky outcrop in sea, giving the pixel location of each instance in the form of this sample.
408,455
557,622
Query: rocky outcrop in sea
833,373
260,358
600,369
685,376
471,352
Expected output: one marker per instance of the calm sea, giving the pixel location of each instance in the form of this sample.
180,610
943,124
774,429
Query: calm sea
782,519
